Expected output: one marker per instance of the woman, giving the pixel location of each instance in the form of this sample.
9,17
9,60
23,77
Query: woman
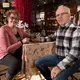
11,40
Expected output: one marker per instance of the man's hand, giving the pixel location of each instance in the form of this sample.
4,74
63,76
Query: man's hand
55,71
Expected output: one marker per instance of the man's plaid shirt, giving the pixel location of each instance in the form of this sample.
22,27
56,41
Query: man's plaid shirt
67,44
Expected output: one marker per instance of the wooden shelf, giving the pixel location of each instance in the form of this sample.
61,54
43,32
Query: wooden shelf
50,22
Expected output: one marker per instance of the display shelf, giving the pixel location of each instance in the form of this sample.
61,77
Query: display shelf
50,22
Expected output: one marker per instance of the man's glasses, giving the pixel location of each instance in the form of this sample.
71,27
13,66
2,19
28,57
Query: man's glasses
61,14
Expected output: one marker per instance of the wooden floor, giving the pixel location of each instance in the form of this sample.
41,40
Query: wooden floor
22,77
34,77
37,77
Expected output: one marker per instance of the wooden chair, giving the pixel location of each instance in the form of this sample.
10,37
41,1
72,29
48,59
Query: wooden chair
3,70
76,76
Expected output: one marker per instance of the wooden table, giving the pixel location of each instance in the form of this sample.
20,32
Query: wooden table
32,52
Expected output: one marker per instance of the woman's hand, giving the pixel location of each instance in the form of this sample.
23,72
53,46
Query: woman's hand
26,40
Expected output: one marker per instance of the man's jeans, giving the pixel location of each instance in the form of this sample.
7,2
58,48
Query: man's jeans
52,60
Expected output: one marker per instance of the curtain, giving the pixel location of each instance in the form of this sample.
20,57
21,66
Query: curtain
25,9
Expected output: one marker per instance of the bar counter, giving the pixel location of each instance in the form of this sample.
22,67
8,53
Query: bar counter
32,52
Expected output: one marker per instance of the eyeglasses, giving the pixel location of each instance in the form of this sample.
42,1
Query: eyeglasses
62,14
13,18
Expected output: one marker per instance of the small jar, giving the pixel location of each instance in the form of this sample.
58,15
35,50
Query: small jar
42,39
47,39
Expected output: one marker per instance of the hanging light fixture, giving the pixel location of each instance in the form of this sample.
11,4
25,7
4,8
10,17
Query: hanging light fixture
45,1
78,8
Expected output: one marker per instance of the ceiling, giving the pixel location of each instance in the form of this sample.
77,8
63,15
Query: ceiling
51,4
37,3
58,1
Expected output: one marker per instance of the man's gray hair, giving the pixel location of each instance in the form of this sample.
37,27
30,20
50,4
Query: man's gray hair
67,8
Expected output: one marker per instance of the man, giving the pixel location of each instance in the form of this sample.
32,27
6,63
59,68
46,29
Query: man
67,49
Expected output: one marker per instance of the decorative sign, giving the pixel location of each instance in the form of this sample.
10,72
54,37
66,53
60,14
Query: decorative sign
5,4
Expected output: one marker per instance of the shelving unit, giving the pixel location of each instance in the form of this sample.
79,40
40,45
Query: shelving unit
50,22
